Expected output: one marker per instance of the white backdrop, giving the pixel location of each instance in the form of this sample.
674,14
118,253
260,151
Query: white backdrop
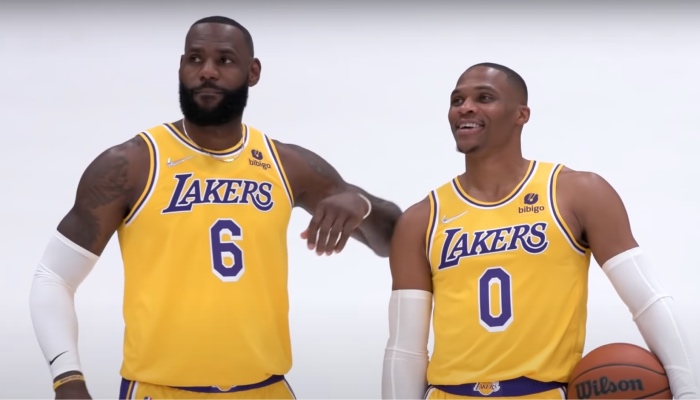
612,90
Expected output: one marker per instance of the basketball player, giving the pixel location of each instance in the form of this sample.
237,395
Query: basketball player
201,207
503,250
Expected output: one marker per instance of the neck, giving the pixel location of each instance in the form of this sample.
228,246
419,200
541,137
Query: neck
219,137
491,177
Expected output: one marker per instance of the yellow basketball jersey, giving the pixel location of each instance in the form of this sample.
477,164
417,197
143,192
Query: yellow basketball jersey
205,263
510,284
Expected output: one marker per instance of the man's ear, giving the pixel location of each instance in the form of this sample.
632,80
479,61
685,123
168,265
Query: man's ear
254,72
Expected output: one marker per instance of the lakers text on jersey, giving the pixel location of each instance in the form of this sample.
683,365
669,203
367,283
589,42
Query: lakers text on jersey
510,286
205,263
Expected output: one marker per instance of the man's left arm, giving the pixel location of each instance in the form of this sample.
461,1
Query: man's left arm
606,227
339,210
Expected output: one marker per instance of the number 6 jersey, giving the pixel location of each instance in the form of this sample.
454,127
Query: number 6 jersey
205,264
510,284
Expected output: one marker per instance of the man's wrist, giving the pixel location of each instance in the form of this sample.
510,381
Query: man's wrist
66,377
369,205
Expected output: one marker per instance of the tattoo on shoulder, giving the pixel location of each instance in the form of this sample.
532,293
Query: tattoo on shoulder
106,180
315,162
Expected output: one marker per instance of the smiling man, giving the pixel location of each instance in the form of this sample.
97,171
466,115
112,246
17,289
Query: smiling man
503,250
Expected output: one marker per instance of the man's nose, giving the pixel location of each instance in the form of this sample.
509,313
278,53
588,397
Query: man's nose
209,71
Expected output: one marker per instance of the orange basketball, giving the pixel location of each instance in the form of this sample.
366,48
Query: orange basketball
619,371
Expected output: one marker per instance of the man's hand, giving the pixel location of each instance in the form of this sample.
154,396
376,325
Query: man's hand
336,206
333,221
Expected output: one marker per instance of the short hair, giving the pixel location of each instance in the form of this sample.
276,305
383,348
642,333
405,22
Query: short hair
513,76
228,21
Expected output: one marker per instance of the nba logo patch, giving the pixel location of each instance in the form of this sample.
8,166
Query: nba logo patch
487,388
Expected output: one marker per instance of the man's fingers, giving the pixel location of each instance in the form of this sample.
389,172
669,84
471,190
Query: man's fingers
336,234
344,237
324,230
312,229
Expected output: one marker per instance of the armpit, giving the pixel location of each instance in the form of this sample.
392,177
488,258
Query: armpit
568,188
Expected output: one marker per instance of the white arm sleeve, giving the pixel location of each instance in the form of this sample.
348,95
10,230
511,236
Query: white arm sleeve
654,313
62,268
406,354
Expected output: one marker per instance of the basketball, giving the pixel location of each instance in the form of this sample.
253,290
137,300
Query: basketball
619,371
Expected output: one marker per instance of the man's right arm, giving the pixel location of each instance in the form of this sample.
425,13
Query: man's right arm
104,194
410,307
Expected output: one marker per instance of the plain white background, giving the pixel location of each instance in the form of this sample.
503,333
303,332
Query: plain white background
366,85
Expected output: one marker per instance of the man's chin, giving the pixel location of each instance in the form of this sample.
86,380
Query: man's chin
467,149
207,107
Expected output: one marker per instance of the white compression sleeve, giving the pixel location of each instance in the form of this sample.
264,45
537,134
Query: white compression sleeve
406,354
63,266
653,311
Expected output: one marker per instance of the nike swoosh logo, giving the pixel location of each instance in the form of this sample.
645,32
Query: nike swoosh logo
174,163
446,220
54,359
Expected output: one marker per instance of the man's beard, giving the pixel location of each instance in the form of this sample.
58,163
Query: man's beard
231,106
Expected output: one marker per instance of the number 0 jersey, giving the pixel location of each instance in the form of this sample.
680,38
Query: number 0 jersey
510,284
205,263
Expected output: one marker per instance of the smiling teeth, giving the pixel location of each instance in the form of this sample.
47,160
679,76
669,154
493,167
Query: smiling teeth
468,125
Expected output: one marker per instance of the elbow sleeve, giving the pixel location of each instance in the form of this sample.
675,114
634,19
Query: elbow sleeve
406,354
62,268
654,313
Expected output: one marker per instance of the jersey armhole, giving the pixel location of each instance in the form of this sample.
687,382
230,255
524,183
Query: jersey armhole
283,175
432,224
150,182
558,219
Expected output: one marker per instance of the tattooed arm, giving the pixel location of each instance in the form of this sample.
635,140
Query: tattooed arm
104,195
107,188
335,205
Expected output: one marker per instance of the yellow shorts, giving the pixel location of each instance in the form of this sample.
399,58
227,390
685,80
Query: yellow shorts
274,388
